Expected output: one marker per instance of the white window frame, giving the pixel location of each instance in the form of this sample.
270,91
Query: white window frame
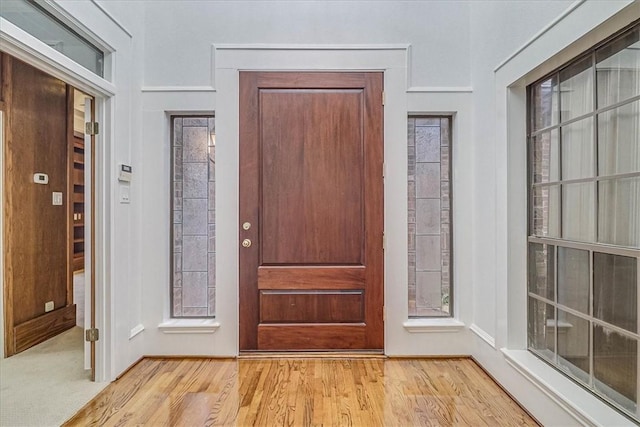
581,26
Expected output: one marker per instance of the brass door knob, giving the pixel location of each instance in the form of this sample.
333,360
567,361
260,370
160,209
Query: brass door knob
246,243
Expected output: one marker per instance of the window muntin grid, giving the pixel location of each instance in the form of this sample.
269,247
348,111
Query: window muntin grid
584,220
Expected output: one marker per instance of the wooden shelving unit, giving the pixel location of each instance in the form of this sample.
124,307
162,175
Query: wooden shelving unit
78,201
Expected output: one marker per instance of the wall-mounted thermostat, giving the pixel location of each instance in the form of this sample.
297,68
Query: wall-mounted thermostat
40,178
124,173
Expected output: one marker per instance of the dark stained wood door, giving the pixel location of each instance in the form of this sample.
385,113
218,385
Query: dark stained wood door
311,207
35,234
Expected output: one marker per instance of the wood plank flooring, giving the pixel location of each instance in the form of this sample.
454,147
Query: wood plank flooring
303,392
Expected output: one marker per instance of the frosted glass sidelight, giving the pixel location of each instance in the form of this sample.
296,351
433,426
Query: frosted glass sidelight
193,207
429,216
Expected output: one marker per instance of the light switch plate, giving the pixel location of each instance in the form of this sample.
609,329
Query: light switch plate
57,198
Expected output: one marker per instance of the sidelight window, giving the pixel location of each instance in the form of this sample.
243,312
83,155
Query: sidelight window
193,224
584,220
429,216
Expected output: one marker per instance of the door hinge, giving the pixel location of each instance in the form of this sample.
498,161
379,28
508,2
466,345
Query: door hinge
91,335
384,313
384,241
384,97
91,128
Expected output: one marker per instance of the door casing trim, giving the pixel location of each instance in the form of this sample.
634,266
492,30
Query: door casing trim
392,61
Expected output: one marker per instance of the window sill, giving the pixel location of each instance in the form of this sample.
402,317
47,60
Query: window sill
189,326
430,325
585,407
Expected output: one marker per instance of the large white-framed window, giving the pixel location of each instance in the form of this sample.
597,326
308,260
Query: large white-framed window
584,219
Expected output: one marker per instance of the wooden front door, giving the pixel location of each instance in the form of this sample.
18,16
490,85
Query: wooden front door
311,211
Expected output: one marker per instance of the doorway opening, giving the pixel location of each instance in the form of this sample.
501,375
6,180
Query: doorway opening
48,192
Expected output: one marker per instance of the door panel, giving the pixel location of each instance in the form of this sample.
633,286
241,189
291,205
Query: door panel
316,306
305,277
311,337
311,190
311,177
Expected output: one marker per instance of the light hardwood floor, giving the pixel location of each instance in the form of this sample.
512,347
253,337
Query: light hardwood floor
304,392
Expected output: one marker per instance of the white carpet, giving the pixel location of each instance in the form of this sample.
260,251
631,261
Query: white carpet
46,384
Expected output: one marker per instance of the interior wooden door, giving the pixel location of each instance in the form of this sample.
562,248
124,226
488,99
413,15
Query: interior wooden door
311,211
37,304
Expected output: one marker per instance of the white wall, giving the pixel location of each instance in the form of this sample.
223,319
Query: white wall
179,34
497,30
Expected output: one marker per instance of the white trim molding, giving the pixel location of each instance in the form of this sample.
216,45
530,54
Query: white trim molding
437,89
313,47
484,335
586,408
17,42
431,325
136,330
540,33
189,326
178,89
112,18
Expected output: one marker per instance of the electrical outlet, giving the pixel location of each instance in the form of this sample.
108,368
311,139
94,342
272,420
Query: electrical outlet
48,306
124,194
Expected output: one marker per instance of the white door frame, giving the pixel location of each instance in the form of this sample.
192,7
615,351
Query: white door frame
392,60
23,46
